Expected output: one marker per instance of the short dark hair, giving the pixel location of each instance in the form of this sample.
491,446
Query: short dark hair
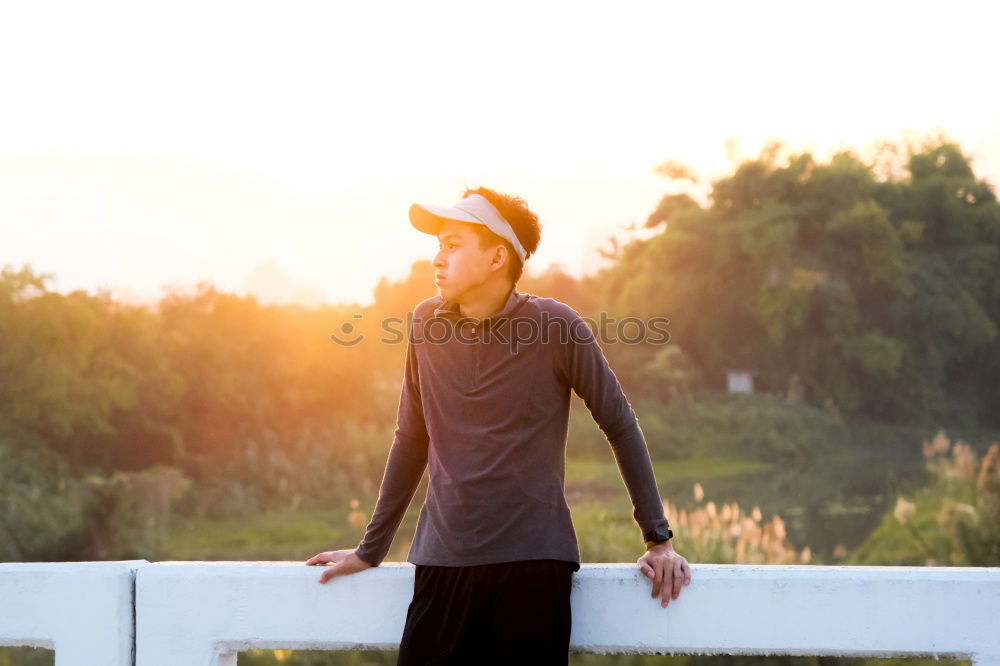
524,223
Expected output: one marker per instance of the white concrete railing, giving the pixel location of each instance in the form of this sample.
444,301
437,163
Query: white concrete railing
203,613
82,610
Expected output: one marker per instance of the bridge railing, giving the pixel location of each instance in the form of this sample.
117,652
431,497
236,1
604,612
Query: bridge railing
206,612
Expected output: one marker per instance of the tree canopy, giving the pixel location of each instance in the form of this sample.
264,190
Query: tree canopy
880,292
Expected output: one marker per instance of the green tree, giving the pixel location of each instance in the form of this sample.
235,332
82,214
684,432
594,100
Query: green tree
84,374
881,294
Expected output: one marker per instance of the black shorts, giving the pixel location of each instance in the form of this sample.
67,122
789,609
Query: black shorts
502,613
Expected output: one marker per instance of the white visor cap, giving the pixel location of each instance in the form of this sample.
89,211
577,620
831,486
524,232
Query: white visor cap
474,209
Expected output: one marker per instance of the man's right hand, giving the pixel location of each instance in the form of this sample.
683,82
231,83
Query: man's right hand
343,562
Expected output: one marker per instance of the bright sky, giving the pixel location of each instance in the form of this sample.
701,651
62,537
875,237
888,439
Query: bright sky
276,147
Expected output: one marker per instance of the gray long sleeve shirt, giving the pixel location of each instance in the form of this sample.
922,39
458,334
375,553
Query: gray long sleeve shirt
486,406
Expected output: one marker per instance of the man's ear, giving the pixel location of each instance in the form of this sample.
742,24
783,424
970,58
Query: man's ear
499,257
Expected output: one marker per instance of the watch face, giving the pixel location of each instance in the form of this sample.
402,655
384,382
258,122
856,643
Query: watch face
659,534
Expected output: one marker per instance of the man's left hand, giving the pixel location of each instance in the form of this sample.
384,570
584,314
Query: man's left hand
667,569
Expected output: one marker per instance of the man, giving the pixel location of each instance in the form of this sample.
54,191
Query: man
485,405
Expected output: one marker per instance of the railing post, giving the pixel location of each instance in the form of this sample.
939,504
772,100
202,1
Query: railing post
82,610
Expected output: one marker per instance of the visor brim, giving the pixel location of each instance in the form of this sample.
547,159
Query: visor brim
429,218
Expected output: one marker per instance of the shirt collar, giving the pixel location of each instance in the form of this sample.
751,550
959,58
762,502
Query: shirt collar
514,299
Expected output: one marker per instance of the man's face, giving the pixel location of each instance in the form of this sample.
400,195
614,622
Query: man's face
460,265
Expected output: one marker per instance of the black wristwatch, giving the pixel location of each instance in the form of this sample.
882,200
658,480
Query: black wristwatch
658,535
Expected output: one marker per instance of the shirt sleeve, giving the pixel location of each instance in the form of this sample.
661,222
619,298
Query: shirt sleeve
403,468
590,376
